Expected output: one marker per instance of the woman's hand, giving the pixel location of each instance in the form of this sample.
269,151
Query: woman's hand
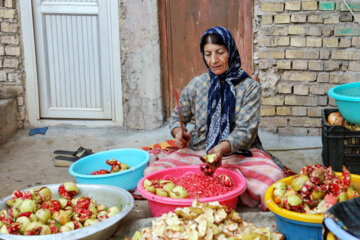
181,140
220,149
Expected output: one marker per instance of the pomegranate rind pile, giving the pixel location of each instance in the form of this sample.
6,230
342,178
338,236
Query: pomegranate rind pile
204,221
314,190
36,212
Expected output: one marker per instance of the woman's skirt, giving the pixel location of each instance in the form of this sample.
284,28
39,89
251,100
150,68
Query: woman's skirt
259,170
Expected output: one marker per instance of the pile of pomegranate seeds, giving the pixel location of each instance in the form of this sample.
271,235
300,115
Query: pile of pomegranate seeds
200,185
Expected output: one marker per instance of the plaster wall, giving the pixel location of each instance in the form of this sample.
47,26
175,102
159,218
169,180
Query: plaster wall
8,120
140,60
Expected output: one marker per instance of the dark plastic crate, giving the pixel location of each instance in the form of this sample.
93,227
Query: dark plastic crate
341,146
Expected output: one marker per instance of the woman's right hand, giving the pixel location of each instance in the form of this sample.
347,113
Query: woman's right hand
181,139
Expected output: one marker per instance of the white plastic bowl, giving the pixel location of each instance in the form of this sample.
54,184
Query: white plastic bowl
103,194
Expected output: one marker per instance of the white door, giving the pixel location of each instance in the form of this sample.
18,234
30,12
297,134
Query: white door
75,58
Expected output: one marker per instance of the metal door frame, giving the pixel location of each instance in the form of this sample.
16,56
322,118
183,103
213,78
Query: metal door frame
30,64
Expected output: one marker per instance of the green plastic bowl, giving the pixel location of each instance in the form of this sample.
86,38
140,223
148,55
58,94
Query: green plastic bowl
347,98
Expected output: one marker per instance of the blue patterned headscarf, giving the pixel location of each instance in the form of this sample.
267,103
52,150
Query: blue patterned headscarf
221,99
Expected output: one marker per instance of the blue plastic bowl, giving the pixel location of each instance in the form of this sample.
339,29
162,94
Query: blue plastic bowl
137,159
338,231
347,97
296,230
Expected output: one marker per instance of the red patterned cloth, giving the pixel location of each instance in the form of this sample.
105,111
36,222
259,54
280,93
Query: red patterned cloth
168,145
259,170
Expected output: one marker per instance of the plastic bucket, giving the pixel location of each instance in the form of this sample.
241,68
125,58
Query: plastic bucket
296,230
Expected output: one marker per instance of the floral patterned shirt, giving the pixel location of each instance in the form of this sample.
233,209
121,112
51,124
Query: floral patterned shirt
193,104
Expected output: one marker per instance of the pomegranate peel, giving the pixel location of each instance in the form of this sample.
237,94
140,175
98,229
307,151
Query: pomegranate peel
224,179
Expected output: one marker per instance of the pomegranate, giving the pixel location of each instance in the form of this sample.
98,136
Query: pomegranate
35,212
335,118
116,166
68,190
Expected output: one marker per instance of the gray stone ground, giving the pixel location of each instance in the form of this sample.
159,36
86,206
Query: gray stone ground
26,161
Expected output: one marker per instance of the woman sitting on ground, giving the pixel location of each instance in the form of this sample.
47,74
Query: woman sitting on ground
224,104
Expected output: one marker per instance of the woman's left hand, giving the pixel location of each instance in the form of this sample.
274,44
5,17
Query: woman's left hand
220,149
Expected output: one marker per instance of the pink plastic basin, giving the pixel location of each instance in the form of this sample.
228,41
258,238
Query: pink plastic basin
159,205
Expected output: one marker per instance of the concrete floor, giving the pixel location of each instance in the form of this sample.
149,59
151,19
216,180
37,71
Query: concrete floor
26,161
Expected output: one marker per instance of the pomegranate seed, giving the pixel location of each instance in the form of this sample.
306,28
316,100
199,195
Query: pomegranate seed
200,185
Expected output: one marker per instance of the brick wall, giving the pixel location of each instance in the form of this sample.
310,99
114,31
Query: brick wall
301,49
11,63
